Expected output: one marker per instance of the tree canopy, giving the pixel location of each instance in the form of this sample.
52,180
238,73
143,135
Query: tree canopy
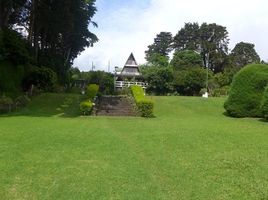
161,47
211,40
56,31
243,54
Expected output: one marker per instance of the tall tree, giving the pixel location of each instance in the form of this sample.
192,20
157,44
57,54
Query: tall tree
58,31
187,38
243,54
9,8
160,47
210,40
214,45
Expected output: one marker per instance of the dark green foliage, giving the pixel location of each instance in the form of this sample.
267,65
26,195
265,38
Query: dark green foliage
10,12
158,60
189,82
11,77
264,105
225,78
92,91
43,78
145,106
185,59
161,46
187,37
246,91
57,31
244,54
5,104
160,79
208,39
13,47
86,107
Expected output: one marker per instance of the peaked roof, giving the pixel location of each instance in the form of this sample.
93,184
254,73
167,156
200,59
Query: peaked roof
131,61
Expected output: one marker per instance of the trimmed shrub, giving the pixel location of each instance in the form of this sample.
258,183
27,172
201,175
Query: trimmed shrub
92,90
145,106
246,91
264,106
86,107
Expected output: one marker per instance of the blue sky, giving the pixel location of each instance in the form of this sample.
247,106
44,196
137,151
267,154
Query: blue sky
127,26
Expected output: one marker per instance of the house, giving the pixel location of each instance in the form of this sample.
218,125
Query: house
129,75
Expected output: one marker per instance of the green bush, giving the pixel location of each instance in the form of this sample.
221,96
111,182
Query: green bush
246,91
145,106
92,90
86,107
189,82
264,106
43,78
218,92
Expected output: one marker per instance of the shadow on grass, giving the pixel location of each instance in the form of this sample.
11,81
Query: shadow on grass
50,105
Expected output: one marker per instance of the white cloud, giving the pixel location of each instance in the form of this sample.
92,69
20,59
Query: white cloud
130,29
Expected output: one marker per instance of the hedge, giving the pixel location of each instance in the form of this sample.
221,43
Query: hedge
247,90
264,106
145,106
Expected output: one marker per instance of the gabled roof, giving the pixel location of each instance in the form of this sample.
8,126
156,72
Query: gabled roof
131,61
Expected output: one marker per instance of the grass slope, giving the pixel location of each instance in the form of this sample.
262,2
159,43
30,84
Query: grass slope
189,151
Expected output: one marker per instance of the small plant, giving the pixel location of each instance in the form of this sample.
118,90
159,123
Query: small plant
86,107
92,91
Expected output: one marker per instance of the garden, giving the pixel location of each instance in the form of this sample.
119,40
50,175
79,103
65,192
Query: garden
189,150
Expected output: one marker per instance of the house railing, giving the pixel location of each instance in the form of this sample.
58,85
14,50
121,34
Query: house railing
122,84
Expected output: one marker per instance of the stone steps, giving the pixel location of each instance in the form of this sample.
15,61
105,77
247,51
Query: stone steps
115,106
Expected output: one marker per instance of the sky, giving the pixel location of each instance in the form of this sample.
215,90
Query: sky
126,26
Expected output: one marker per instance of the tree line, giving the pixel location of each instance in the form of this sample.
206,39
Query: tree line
44,33
195,48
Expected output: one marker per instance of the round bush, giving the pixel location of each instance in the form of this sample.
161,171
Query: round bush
246,92
264,106
92,91
86,107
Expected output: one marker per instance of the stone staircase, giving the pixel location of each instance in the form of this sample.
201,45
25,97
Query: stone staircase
115,106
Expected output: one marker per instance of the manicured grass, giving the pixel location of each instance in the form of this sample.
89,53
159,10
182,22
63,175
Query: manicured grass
191,150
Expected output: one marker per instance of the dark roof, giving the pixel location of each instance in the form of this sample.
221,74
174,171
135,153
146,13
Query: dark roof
131,61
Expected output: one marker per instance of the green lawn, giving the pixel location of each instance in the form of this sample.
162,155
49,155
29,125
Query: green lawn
191,150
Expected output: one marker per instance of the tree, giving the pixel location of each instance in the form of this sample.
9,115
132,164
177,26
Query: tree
211,40
160,47
190,81
243,54
9,9
158,60
160,79
187,38
185,59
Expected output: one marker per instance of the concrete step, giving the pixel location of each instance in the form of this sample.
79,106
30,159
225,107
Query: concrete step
115,106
